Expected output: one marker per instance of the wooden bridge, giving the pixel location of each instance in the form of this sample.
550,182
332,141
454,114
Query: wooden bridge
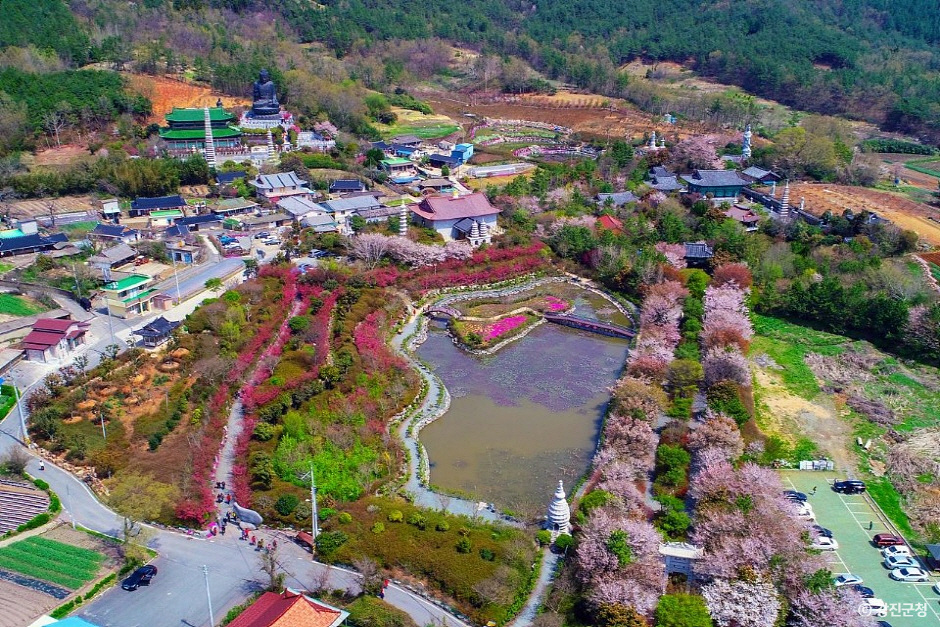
443,310
594,326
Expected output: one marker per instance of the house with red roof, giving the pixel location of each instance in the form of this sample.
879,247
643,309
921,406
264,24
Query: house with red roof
610,223
744,216
289,609
470,217
53,339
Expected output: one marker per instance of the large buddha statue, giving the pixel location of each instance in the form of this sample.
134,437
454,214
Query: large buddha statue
264,96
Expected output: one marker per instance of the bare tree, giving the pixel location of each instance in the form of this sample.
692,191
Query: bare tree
15,461
372,575
271,567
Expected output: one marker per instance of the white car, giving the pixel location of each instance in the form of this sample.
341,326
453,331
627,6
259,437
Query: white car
909,574
936,588
847,579
873,607
900,561
824,544
805,512
896,551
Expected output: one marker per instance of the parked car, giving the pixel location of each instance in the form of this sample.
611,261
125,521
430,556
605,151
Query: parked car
886,539
900,561
909,574
873,607
140,577
898,549
850,486
262,235
864,591
804,511
883,623
936,588
822,531
847,579
824,544
793,495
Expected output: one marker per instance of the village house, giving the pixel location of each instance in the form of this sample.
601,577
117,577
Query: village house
698,254
610,223
345,186
113,257
204,221
157,332
744,216
719,185
411,141
181,251
616,199
146,206
436,186
234,206
110,209
114,233
469,217
343,209
441,161
267,221
398,169
273,187
320,223
289,609
130,296
298,207
27,239
664,181
760,176
53,339
228,178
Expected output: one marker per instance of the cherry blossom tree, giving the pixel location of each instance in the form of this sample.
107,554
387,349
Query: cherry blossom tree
832,607
726,365
720,434
741,603
737,273
369,247
674,254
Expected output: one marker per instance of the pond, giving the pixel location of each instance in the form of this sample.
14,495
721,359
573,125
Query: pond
525,417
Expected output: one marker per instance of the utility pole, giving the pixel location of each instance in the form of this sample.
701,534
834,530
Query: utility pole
314,527
177,280
68,494
205,571
104,434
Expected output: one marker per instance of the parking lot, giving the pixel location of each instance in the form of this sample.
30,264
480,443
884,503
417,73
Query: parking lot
853,521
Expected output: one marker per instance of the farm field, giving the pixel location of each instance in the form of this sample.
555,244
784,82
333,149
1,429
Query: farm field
583,113
20,605
166,93
907,214
52,561
415,123
18,306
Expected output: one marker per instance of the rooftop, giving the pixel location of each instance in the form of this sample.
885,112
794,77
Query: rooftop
617,198
197,133
113,230
55,325
450,208
114,254
167,213
715,178
234,204
277,181
289,609
127,283
298,206
347,185
396,161
216,114
160,202
24,242
157,328
406,139
223,178
200,219
355,203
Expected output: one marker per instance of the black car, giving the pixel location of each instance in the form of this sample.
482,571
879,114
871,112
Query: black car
822,531
884,623
850,486
793,495
866,592
140,577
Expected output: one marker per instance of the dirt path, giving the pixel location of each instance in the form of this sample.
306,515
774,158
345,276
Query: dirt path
787,415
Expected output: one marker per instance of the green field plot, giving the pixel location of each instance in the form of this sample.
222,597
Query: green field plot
55,562
13,305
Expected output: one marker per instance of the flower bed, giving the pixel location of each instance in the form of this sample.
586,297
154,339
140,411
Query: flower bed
481,335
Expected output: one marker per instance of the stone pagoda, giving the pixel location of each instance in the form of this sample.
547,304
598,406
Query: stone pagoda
558,520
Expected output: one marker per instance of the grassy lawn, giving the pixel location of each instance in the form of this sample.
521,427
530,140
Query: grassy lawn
889,500
5,267
78,229
55,562
12,305
418,124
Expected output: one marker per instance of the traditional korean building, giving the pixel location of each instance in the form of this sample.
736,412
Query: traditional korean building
721,185
157,332
187,130
469,217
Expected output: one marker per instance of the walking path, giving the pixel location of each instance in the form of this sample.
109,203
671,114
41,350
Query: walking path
223,471
546,575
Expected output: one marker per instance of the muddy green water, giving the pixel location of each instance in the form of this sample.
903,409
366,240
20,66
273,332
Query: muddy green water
523,418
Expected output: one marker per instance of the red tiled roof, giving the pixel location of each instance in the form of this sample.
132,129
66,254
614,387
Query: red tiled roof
741,214
40,338
610,223
74,334
287,609
54,325
449,208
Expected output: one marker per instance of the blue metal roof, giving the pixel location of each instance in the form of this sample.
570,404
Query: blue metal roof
203,219
162,202
25,242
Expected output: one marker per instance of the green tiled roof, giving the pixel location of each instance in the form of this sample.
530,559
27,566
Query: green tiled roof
216,114
198,133
399,161
140,296
127,283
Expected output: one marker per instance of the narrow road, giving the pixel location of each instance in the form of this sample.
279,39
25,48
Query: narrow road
546,575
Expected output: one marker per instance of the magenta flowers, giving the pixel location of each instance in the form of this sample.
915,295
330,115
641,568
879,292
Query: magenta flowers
503,326
556,304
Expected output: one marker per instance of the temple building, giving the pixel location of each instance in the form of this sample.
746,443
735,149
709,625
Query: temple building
558,520
188,130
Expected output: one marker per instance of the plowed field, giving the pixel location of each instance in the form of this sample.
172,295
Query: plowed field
907,214
166,93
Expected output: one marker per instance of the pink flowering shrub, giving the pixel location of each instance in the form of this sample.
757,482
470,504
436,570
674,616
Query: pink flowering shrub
726,365
719,434
556,304
502,327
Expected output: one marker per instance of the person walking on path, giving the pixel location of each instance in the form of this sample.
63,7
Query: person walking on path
813,491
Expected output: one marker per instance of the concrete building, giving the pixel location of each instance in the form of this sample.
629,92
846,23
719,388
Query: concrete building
130,296
54,339
455,216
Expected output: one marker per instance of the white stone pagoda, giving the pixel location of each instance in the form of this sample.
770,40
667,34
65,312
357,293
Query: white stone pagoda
558,520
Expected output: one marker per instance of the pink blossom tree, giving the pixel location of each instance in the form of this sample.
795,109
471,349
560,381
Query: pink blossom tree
741,603
720,434
836,607
726,365
674,254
